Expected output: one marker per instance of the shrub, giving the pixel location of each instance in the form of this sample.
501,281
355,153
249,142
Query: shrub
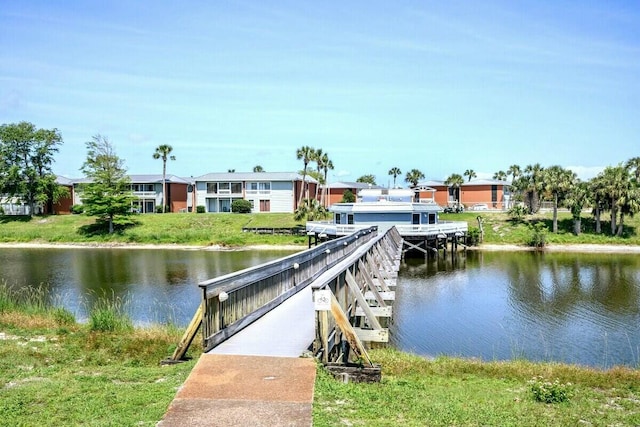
76,209
241,206
538,237
550,392
159,209
473,236
200,209
517,213
348,197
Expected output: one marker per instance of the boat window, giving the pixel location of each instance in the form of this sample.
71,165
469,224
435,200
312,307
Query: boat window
336,218
432,218
350,219
415,219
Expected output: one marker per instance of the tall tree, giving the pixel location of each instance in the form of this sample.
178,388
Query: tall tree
395,172
306,154
258,168
529,185
26,156
576,198
633,164
514,171
500,176
470,174
413,177
455,181
108,192
556,182
318,158
327,165
164,152
367,179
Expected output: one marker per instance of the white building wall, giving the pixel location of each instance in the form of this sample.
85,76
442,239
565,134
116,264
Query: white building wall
282,197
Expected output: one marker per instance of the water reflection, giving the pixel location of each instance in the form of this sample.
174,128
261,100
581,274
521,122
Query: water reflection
577,308
159,286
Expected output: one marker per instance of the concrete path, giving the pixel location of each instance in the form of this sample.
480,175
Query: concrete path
232,390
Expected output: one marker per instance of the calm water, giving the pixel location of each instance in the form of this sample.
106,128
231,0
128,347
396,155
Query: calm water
577,308
159,286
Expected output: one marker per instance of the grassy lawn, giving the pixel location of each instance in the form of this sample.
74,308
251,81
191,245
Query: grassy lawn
64,374
498,229
226,229
186,229
454,392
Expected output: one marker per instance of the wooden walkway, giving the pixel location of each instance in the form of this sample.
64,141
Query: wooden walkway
258,376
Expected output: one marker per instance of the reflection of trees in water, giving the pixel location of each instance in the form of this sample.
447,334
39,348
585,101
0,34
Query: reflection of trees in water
556,283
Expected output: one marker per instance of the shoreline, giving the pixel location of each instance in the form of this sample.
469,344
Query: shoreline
489,247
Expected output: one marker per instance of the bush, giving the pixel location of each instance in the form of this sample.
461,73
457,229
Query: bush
538,238
348,197
517,213
159,209
241,206
473,236
200,209
76,209
550,392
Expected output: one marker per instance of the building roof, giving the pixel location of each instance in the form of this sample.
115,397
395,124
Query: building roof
156,178
254,176
355,185
485,182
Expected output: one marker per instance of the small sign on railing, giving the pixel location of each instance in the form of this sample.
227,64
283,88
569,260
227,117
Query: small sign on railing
322,300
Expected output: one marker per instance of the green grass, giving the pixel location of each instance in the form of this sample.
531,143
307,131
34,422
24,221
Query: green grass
55,373
498,229
226,229
446,391
185,229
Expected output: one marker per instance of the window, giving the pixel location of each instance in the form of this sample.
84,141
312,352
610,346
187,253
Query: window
265,205
336,219
349,218
212,187
259,187
224,188
236,187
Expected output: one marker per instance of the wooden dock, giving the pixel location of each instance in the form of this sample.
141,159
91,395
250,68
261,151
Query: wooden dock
252,372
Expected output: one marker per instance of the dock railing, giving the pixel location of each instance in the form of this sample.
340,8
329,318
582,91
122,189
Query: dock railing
233,301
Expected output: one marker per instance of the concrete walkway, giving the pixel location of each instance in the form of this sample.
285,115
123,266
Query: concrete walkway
256,377
233,390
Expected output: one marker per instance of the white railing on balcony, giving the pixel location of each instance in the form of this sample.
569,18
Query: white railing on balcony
145,194
443,227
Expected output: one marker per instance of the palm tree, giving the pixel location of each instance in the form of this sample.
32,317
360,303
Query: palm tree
318,157
577,197
164,152
470,174
258,168
530,184
306,154
327,165
633,165
455,181
557,181
414,176
500,176
514,171
395,172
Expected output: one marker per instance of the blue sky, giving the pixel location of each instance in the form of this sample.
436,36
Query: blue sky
437,86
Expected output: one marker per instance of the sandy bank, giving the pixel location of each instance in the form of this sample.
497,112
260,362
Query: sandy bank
32,245
585,248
